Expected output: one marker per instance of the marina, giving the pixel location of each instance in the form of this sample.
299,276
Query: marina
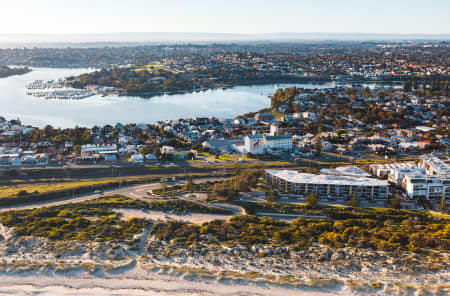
56,89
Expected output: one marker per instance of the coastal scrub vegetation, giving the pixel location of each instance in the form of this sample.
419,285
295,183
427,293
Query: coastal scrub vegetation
92,220
402,233
84,221
242,182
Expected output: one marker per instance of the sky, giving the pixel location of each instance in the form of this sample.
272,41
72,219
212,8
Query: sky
224,16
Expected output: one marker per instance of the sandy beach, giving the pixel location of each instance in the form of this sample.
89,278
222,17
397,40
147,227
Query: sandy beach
36,266
157,285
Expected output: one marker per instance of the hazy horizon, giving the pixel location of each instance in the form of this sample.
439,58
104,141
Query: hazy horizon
173,37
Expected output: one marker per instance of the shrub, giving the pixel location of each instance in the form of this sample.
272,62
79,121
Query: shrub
22,193
354,202
396,204
311,199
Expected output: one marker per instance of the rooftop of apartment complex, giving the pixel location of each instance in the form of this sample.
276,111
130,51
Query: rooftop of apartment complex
350,171
303,178
434,165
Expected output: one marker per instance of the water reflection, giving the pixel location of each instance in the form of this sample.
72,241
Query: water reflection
98,110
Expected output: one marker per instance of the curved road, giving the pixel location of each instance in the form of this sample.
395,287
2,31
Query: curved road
134,191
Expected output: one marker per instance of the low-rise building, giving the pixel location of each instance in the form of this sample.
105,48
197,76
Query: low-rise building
427,186
137,159
217,146
429,180
90,150
434,165
281,142
325,186
258,144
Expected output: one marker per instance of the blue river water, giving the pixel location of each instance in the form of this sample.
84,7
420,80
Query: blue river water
98,110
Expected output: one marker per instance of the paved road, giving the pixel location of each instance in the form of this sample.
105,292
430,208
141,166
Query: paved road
134,191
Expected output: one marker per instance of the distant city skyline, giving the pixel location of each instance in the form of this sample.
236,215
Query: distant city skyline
232,16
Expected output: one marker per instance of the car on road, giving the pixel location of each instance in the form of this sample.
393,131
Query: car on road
98,191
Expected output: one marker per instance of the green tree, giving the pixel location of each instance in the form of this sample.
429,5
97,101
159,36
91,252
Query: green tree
396,204
271,195
22,193
318,146
163,187
442,204
190,185
407,86
146,150
354,202
77,149
311,199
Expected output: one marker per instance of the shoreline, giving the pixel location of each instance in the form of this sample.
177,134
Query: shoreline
204,89
225,87
129,286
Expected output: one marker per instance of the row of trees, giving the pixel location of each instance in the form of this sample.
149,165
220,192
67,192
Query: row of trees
431,87
312,200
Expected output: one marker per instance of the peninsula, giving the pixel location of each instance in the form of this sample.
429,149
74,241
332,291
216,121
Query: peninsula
6,71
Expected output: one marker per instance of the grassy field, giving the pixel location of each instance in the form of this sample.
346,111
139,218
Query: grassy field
13,188
226,157
236,158
151,68
241,166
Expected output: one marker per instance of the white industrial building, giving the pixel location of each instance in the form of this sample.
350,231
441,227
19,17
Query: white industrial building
281,142
253,144
259,144
325,186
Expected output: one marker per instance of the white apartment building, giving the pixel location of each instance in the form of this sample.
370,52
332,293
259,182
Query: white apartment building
351,171
324,186
427,186
434,165
397,175
429,180
394,172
